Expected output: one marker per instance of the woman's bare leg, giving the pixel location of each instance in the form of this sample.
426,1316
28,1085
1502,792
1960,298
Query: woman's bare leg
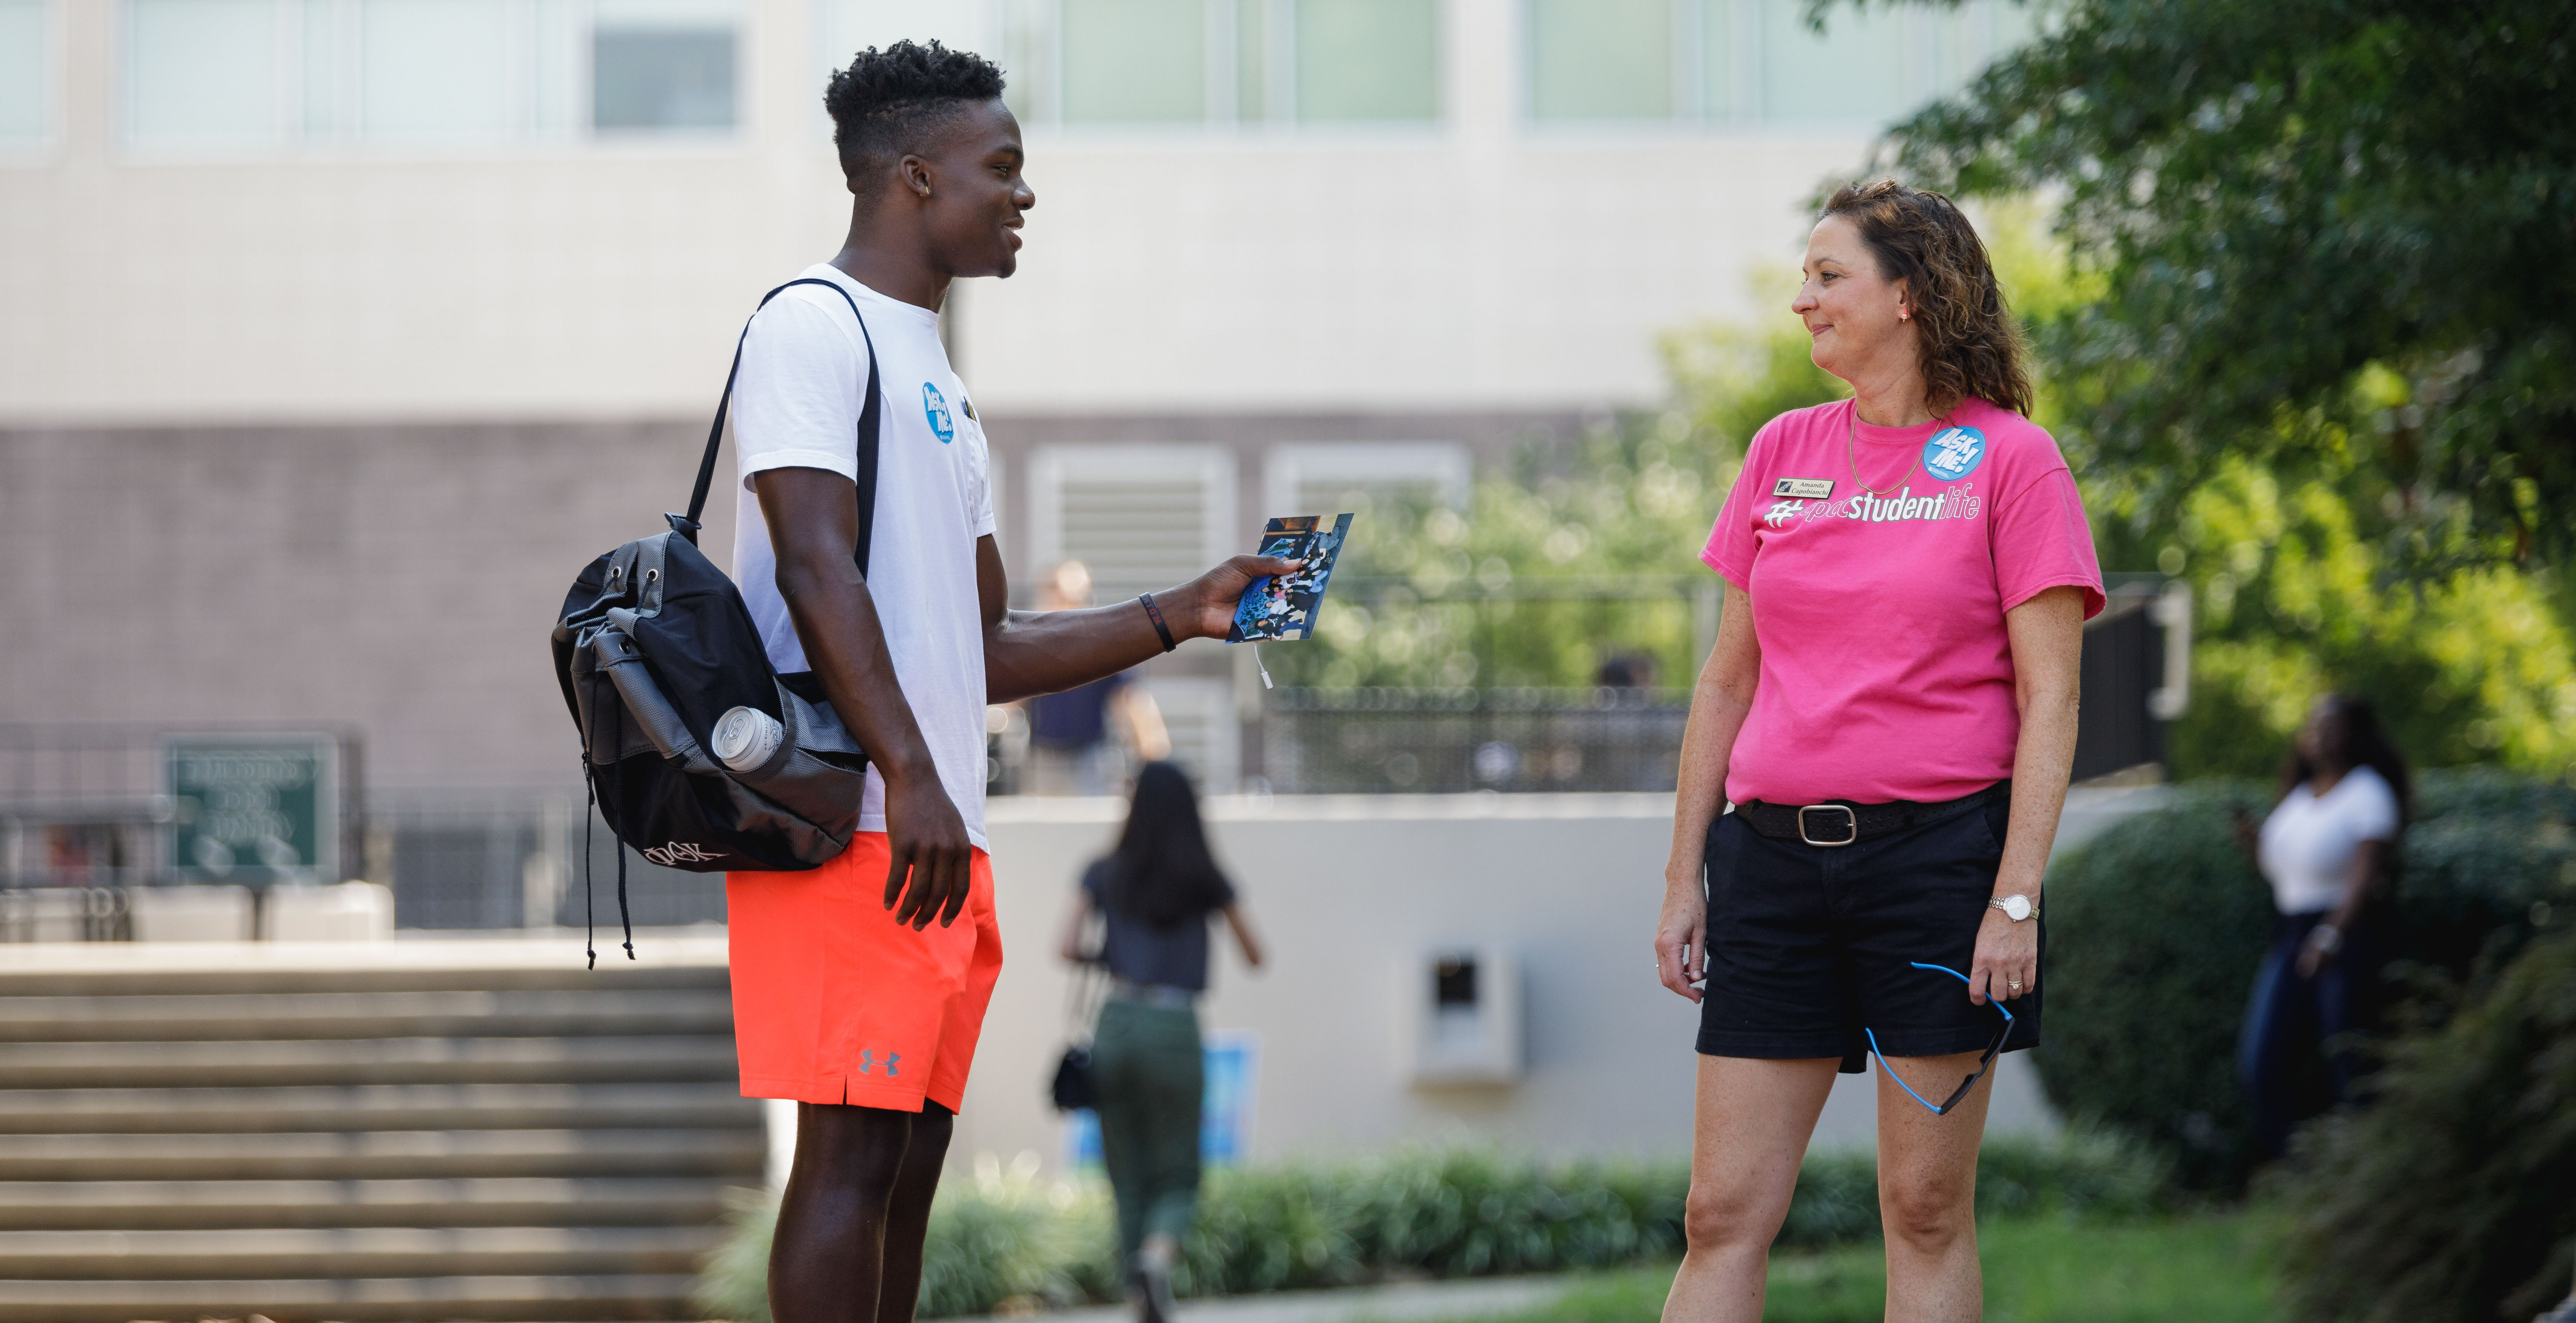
1748,1136
1927,1191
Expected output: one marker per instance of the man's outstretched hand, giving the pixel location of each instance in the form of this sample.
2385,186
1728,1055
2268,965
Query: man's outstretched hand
1206,605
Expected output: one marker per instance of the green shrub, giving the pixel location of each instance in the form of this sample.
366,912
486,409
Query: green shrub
2488,864
2156,928
1444,1213
997,1236
2154,931
2449,1199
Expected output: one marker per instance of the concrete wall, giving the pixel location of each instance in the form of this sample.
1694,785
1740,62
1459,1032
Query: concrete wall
1350,892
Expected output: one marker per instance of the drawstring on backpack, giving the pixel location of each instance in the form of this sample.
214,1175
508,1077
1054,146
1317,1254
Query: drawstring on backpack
589,907
617,747
590,783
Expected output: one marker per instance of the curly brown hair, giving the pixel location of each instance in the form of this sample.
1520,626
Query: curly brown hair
1971,345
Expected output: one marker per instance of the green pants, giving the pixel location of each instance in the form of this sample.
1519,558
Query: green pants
1148,1067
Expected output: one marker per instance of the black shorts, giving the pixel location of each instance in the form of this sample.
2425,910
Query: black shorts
1807,944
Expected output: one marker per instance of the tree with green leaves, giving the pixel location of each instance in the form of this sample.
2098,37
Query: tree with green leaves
2284,200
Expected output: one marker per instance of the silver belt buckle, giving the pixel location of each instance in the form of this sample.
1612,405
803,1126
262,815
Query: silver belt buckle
1851,824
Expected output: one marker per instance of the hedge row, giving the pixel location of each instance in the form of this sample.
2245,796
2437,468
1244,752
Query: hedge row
1457,1213
2157,926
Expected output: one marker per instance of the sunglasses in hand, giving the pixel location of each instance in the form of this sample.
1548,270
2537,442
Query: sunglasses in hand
1985,1062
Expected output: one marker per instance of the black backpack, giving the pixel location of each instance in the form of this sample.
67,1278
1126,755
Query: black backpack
654,648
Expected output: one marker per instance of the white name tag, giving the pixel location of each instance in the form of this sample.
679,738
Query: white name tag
1812,489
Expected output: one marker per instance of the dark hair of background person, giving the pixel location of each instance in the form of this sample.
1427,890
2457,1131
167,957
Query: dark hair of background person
888,101
2365,745
1971,345
1162,872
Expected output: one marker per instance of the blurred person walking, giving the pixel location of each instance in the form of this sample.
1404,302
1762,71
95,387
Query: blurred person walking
1071,751
1155,895
2329,851
1891,709
847,997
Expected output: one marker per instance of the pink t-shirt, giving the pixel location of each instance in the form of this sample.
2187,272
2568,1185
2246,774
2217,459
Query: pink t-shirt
1886,671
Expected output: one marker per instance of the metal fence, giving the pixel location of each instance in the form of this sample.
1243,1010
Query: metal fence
87,816
86,812
89,804
483,861
1364,741
2136,665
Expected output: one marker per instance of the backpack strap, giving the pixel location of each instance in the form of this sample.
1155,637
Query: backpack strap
871,428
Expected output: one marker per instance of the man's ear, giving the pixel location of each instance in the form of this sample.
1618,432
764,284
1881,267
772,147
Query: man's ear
915,173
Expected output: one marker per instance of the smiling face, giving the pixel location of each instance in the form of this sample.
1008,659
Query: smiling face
1852,312
975,197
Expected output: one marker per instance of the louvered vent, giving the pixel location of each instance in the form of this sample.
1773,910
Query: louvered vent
1137,534
1143,518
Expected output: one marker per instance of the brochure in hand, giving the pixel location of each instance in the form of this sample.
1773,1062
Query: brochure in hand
1282,608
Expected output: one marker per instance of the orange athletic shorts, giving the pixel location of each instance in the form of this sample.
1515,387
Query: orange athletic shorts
835,1002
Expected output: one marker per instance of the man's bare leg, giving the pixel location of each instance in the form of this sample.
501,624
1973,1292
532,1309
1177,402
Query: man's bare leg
827,1262
1753,1121
908,1214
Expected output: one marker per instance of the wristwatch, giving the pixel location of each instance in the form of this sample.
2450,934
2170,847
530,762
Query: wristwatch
2015,907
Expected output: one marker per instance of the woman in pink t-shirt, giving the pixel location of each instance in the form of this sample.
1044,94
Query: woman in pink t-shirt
1891,710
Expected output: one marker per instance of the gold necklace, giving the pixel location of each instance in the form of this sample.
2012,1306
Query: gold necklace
1851,453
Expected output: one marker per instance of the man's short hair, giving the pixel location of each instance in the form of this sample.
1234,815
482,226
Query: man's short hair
888,102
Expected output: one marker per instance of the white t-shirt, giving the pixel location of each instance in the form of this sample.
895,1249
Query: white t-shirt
796,405
2311,843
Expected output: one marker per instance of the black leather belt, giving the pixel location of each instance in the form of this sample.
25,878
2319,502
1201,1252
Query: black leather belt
1842,822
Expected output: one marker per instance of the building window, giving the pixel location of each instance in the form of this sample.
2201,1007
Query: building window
1134,61
233,74
1601,59
1754,63
662,67
1367,61
26,76
433,70
1190,62
205,71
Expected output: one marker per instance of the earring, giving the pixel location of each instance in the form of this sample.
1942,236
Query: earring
1903,315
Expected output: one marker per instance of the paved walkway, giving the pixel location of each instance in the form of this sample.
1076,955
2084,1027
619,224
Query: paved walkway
1409,1302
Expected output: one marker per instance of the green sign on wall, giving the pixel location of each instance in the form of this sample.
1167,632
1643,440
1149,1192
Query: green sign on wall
255,810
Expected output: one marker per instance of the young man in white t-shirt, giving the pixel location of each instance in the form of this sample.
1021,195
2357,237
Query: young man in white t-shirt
848,997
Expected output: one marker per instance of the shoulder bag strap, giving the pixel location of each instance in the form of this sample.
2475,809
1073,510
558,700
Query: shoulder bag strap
871,424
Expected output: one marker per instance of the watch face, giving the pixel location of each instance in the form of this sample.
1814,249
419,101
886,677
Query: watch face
2016,908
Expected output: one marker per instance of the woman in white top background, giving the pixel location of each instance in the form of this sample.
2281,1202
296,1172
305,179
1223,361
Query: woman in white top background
2329,850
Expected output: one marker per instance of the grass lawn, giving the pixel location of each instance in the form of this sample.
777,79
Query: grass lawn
2039,1270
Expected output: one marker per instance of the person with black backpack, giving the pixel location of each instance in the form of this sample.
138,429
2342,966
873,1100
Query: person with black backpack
856,990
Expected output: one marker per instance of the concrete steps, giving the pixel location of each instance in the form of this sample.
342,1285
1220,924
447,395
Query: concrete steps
349,1300
648,1106
474,1131
370,1060
508,1201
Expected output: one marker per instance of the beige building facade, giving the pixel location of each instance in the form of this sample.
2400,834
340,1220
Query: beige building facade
336,334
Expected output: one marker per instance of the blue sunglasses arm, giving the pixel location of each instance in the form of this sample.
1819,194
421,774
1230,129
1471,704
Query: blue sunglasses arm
1891,1070
1990,1001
